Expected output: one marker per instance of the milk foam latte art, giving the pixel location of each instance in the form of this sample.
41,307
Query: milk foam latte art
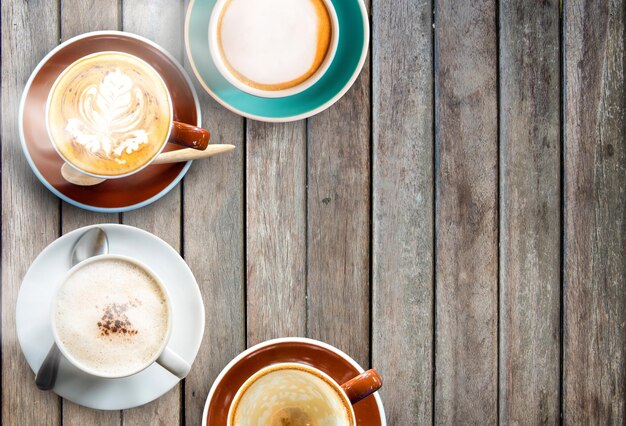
109,114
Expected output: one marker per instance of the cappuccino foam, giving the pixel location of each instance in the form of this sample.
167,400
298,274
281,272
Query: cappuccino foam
112,316
109,113
274,44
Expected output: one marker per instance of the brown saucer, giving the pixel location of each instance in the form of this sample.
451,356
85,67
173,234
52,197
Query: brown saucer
336,364
115,195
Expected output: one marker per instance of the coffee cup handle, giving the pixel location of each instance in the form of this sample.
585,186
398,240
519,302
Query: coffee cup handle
362,386
189,136
173,363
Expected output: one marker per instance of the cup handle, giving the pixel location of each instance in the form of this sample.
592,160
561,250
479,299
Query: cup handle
362,386
189,136
172,362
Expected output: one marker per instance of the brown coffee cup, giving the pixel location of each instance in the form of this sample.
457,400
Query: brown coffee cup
294,390
169,130
362,385
189,136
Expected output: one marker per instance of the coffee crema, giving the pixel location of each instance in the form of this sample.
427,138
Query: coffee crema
290,396
112,317
109,113
274,44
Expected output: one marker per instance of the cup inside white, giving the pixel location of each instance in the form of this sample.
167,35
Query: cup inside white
220,62
67,353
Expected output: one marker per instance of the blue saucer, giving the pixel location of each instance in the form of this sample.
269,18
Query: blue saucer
343,71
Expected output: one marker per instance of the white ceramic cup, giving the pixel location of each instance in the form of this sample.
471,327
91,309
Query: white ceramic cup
347,394
165,356
220,64
179,133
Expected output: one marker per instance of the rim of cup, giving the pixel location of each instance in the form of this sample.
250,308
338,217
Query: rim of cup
285,340
218,59
169,103
62,347
290,365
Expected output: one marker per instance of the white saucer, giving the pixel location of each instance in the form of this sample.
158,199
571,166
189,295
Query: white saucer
33,314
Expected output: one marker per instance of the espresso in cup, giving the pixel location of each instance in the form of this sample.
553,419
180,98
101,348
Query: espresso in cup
111,317
290,394
109,114
272,45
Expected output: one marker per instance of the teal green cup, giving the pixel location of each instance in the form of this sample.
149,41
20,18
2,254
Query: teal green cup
347,62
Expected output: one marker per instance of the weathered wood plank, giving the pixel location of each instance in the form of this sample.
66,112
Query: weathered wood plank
466,388
402,192
74,217
530,244
213,223
594,346
162,22
275,230
338,224
77,17
77,415
81,16
214,249
30,214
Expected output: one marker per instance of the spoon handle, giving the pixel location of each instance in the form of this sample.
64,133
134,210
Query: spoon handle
192,154
47,373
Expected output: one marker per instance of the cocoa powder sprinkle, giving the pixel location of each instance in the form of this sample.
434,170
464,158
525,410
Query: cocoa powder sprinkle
114,320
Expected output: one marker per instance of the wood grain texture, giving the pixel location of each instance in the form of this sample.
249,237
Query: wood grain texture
299,214
466,388
275,230
594,347
77,415
81,16
160,21
402,197
30,214
214,249
338,224
213,224
78,17
530,245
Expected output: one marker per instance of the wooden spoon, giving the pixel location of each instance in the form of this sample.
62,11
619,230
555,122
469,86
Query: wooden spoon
72,175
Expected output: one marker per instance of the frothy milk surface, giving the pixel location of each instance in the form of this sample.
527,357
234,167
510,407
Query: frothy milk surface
109,113
274,44
111,316
291,396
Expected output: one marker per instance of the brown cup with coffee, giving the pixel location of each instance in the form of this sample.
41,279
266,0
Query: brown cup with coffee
109,114
298,394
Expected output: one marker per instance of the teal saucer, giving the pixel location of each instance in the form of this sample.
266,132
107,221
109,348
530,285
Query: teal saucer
343,71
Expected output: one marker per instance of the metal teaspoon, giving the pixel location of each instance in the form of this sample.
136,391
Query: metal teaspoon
92,243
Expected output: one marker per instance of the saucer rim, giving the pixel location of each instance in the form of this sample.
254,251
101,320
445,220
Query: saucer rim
290,118
306,340
22,137
199,336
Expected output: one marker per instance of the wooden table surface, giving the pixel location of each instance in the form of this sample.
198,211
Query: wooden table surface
457,220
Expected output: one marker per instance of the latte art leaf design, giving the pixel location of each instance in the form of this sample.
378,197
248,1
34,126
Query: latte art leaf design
110,114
